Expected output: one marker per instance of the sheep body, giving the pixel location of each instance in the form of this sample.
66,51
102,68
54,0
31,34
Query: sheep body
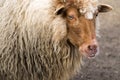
30,48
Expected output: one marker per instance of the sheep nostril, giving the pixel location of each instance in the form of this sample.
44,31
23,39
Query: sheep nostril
92,48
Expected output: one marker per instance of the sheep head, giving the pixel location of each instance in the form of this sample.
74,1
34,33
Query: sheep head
80,17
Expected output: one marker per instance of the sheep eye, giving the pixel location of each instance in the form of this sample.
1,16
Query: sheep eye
96,14
70,17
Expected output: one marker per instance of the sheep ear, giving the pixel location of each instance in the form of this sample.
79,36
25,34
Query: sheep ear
104,8
59,9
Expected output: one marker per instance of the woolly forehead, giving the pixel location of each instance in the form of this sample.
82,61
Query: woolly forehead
88,8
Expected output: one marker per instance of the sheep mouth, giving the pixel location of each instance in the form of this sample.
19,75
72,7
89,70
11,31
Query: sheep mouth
89,54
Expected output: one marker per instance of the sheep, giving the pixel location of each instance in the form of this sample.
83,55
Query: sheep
46,39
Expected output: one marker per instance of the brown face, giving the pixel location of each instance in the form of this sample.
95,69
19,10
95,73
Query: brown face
82,30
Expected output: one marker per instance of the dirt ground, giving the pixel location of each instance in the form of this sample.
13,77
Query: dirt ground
106,66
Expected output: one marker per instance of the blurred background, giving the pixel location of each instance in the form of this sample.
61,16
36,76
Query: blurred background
106,66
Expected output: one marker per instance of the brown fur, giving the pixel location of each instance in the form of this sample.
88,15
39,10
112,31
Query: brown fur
81,30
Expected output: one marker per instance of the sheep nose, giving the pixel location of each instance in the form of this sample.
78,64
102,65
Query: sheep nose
92,49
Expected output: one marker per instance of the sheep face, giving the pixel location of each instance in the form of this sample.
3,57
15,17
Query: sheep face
81,26
81,31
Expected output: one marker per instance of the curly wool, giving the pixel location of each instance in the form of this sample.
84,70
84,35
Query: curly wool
32,45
